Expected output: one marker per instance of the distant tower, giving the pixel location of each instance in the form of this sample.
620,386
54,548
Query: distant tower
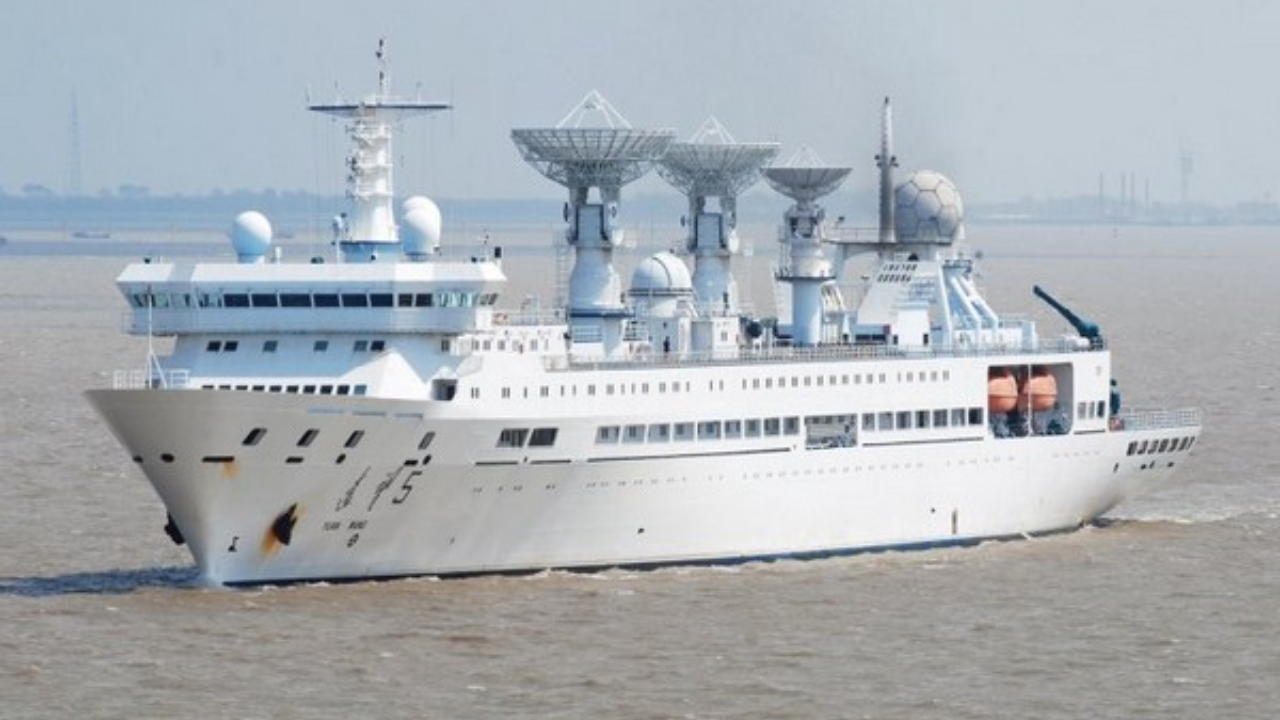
713,165
74,186
580,157
1186,165
371,228
804,179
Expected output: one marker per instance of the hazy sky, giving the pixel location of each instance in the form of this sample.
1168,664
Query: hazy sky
1010,98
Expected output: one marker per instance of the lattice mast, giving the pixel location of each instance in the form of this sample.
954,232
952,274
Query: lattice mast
369,231
712,165
593,147
804,179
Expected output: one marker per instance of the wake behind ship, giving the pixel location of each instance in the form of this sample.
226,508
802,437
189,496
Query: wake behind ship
386,413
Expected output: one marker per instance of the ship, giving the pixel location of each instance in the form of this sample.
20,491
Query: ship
385,411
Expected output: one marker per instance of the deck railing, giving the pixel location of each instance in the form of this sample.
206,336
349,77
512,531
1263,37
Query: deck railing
782,354
1134,420
139,379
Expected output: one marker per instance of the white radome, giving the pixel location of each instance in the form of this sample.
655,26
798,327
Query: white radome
250,234
661,273
420,227
928,208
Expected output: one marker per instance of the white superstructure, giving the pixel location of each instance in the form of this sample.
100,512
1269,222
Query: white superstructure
390,414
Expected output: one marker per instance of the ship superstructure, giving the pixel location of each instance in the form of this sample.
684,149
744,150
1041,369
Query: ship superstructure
386,413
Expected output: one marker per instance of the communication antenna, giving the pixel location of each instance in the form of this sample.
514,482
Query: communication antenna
593,147
713,165
805,178
371,227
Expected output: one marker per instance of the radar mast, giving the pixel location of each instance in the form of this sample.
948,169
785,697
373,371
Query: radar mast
371,227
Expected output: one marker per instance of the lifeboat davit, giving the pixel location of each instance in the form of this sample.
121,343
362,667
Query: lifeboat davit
1002,391
1040,391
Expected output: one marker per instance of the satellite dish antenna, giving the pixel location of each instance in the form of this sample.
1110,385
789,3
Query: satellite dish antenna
593,147
712,164
804,179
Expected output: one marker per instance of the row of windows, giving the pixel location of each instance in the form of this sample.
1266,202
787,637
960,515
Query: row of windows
524,437
444,298
1152,447
815,426
317,389
308,437
270,346
768,383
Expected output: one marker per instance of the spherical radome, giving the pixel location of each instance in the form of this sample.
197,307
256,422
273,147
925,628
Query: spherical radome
661,273
928,208
420,228
250,234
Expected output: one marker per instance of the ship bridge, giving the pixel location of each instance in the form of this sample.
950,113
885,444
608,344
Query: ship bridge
178,299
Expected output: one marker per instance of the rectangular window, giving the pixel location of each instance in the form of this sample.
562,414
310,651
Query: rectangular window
231,346
512,437
360,346
377,345
355,300
791,426
265,300
320,346
772,427
683,431
326,300
753,427
380,299
237,300
884,420
353,439
868,422
308,437
427,439
424,300
633,434
709,430
254,437
295,300
269,346
543,437
958,417
975,416
940,418
404,300
607,434
214,346
659,432
733,428
922,418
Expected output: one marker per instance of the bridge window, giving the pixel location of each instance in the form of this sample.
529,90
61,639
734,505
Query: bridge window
235,300
326,300
265,300
355,300
295,300
380,299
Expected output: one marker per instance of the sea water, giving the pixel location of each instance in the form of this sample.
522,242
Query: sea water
1169,609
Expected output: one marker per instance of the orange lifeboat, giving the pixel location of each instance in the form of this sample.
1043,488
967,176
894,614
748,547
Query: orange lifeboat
1040,391
1002,391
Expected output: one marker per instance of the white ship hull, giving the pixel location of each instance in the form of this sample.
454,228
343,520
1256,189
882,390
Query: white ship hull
386,508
